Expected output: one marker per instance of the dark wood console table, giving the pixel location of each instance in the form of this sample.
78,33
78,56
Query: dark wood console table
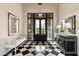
68,44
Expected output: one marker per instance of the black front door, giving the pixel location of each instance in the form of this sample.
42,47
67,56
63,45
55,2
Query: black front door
40,30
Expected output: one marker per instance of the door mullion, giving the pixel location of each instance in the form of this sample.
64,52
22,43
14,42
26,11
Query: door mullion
40,26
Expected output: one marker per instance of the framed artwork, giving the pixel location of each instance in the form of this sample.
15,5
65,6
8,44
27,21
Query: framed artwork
72,20
13,24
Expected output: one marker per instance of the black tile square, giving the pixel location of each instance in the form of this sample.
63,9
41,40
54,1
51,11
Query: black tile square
20,47
17,51
5,55
13,52
55,53
62,52
25,52
55,45
45,53
34,53
58,48
52,48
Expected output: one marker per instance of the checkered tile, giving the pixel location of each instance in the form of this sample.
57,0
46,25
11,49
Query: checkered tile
28,48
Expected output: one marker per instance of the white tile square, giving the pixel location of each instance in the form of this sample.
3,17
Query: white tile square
57,50
49,50
29,54
54,46
26,45
33,45
22,49
50,54
47,45
19,54
60,54
40,54
30,50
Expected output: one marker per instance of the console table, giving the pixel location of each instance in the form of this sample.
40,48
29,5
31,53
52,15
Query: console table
68,44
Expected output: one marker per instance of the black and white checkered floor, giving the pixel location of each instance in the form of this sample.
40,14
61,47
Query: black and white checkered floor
28,48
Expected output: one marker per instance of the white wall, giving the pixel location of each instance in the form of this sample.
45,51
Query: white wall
34,8
66,10
15,9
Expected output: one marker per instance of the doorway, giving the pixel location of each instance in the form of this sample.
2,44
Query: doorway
40,26
40,30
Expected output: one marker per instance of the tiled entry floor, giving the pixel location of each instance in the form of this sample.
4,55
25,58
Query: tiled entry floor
27,48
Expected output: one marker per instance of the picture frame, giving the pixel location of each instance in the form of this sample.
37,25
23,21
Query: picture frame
72,20
13,24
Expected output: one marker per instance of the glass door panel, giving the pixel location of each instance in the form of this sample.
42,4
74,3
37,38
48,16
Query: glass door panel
49,29
30,29
37,26
42,26
40,30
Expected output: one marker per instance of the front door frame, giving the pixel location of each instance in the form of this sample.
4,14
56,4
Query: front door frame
33,18
41,37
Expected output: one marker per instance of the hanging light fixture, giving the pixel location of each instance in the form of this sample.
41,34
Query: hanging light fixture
39,3
40,15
